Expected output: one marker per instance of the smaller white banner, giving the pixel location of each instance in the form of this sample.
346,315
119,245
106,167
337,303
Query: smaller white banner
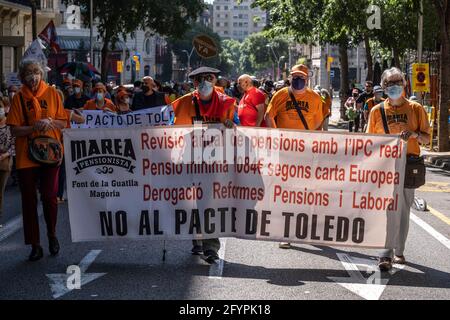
156,116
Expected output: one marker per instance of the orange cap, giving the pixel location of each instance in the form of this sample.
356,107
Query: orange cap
121,94
77,82
300,69
99,86
67,81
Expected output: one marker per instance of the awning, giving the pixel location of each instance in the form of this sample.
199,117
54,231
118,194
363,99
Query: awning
82,44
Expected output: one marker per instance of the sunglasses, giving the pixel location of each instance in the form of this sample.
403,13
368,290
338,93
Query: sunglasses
204,77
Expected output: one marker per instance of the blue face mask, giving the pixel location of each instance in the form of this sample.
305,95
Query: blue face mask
394,92
205,88
298,83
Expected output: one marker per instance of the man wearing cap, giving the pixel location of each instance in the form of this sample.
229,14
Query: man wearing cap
360,102
304,114
212,107
252,106
67,88
100,102
149,97
78,99
372,102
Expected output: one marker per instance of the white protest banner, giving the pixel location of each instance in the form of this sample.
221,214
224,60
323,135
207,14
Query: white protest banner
206,182
156,116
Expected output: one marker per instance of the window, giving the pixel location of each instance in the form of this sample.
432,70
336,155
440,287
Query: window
255,25
147,46
225,7
235,24
218,15
217,24
225,32
218,7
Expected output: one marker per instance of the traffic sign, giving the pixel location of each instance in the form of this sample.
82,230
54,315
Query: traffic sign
205,46
421,77
331,73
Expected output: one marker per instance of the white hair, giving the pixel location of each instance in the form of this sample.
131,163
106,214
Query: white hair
390,73
26,63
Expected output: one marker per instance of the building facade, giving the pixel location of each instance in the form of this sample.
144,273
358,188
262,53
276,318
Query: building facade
16,31
234,20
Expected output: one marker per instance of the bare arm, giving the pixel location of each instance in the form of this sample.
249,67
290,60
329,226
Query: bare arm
21,131
270,122
261,111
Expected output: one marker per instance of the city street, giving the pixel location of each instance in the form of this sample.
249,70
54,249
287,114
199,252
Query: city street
253,270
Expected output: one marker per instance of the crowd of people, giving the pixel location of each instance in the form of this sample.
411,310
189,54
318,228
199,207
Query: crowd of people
37,108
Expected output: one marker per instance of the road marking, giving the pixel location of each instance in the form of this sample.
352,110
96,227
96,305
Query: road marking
438,236
12,226
435,187
368,288
439,215
58,281
216,269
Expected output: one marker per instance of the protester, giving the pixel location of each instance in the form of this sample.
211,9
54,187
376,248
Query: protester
149,98
268,89
123,102
6,156
100,102
303,111
252,106
78,99
212,107
351,110
376,99
12,90
67,88
360,102
87,89
44,114
409,120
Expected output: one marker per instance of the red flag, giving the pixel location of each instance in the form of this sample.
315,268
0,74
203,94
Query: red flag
49,36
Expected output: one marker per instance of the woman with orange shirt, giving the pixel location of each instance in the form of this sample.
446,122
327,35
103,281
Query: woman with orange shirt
100,102
36,110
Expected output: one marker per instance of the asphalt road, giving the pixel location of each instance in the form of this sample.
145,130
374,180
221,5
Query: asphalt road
249,270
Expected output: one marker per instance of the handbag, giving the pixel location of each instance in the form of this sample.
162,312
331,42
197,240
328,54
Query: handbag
415,165
42,149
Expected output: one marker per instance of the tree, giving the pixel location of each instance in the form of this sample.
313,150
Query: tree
229,58
165,17
443,13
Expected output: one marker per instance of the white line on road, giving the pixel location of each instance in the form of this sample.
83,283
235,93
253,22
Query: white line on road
216,269
12,226
438,236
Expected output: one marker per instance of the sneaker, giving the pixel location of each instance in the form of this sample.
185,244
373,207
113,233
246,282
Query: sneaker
399,260
385,264
210,256
284,245
197,250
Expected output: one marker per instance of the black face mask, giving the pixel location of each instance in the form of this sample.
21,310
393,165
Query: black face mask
145,89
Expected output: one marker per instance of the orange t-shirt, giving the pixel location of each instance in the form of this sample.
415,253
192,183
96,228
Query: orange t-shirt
370,104
286,116
410,116
91,105
184,110
51,106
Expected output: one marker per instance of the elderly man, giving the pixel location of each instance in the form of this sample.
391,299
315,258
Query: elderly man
149,97
207,105
296,107
100,102
252,106
78,99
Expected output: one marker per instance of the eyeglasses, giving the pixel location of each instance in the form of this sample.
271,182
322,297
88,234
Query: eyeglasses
36,72
393,83
204,77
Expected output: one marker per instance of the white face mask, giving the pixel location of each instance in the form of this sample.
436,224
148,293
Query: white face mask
205,88
127,100
100,96
77,90
2,114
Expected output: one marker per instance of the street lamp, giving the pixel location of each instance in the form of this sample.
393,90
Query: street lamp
277,59
189,62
